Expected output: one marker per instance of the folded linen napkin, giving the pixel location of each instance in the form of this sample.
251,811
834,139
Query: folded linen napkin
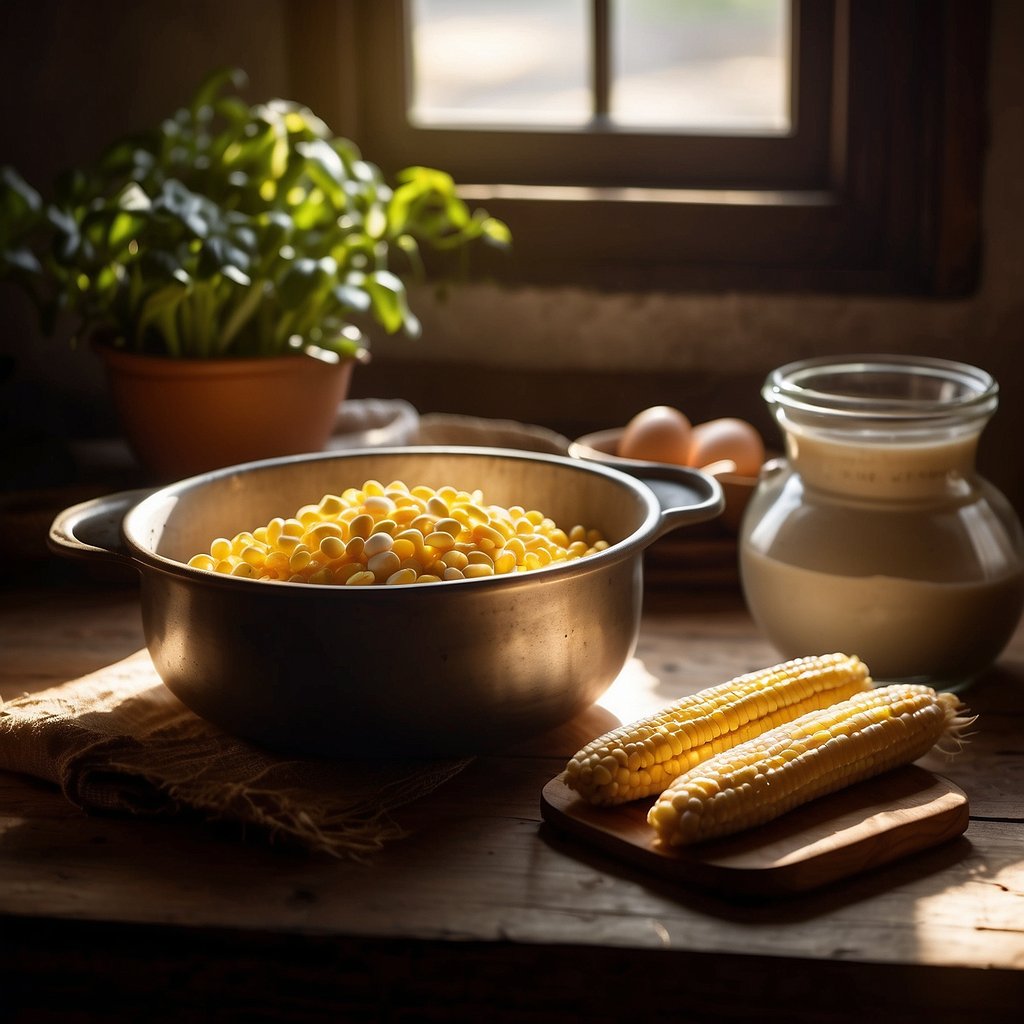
118,741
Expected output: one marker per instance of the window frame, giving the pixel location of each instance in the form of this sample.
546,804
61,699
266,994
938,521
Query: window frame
593,155
877,190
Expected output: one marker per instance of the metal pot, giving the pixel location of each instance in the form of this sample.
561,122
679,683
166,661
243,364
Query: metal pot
431,669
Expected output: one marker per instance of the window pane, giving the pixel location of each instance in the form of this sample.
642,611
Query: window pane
491,62
701,64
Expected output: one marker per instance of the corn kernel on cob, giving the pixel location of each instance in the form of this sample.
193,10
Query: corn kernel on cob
818,753
643,757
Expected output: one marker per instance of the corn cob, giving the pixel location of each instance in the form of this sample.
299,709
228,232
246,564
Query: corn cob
642,758
824,750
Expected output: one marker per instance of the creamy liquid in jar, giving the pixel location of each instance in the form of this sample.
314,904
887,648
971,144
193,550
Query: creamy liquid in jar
901,628
885,545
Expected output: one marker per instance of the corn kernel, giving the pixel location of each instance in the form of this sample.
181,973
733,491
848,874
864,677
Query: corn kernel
344,572
323,529
405,514
240,541
376,543
361,526
220,548
413,536
330,505
487,535
437,506
455,559
503,525
405,549
363,578
383,564
448,525
516,548
423,523
475,513
379,505
252,554
440,540
332,548
397,535
276,561
505,562
288,542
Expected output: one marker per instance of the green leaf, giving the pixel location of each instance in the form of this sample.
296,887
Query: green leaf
20,199
389,303
219,256
22,260
158,314
133,198
303,278
496,231
351,296
213,84
123,228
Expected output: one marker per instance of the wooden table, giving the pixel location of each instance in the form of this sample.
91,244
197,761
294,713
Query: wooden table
484,911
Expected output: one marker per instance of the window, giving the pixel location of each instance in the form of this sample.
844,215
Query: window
858,169
681,65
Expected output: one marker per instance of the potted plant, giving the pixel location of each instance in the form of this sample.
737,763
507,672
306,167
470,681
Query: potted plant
231,248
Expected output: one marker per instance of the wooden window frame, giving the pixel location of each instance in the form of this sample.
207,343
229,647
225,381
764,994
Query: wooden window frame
876,191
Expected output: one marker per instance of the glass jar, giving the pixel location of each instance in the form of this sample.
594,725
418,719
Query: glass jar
874,535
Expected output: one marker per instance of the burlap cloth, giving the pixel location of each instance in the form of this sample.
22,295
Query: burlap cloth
118,741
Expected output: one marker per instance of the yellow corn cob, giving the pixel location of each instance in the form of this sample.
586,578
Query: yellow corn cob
825,750
643,757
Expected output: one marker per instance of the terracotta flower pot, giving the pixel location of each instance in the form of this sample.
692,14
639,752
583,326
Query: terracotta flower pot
187,416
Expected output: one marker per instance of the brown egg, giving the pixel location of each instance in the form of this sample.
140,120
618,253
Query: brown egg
727,439
658,434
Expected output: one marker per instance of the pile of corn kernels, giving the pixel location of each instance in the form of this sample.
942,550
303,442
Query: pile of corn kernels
395,534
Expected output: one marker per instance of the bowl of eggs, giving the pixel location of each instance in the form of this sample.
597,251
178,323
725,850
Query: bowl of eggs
729,449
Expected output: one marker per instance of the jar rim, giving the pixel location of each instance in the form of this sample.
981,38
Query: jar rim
883,386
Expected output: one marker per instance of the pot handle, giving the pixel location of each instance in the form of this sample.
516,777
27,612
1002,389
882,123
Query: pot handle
92,529
686,496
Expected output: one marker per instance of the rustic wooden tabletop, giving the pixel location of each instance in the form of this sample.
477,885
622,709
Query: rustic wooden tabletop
485,909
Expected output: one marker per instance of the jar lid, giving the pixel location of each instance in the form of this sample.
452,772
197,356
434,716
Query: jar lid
887,388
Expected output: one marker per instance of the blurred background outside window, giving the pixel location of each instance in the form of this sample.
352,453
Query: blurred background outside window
670,65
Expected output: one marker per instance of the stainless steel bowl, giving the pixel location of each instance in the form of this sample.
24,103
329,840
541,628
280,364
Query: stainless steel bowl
426,669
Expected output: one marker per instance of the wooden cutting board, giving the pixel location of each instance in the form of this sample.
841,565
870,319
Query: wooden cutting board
843,834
